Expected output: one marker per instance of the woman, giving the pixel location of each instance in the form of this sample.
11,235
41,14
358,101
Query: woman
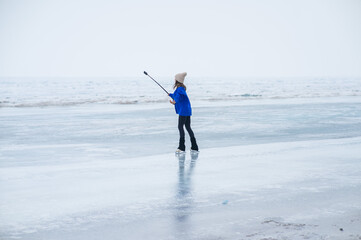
184,109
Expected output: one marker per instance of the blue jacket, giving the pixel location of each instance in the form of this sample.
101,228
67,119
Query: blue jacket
182,103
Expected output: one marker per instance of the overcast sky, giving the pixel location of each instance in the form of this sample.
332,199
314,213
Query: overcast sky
251,38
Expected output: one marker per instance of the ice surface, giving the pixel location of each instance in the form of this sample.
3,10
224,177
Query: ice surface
270,167
292,189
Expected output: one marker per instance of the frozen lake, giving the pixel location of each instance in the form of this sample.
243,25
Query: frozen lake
269,168
52,135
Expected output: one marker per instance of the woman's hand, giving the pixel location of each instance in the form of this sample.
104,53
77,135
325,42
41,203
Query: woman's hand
172,102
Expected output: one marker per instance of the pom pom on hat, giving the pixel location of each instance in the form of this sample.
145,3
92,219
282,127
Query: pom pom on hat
180,77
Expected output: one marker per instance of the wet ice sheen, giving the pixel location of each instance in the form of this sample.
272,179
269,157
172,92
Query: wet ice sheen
286,186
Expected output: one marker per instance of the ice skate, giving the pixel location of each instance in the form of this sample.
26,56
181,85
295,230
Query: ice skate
179,152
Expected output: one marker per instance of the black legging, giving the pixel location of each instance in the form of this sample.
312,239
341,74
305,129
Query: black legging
185,120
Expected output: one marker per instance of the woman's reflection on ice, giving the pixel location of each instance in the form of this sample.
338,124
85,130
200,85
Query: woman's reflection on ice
184,198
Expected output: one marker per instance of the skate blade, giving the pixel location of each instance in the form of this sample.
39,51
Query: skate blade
179,152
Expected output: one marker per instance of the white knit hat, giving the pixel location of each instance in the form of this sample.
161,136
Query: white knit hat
180,77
